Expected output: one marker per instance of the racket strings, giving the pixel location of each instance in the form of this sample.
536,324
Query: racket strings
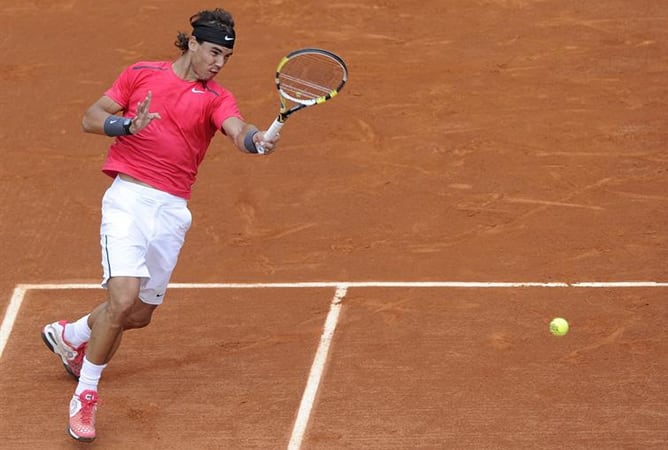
311,76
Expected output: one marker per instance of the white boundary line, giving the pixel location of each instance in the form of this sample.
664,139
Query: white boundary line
10,316
317,368
376,284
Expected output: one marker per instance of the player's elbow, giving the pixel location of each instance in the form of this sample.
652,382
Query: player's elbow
86,123
92,120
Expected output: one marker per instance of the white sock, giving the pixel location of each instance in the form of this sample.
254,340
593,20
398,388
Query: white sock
76,333
89,377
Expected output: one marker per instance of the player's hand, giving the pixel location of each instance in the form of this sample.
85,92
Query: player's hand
269,145
144,116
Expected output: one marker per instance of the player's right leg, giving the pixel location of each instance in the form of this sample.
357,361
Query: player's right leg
107,330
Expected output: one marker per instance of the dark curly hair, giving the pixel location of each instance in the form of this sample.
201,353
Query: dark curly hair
218,17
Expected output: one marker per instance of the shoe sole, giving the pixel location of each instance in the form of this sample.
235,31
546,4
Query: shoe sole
50,346
78,438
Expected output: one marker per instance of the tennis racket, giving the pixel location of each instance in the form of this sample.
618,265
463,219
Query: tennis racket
306,77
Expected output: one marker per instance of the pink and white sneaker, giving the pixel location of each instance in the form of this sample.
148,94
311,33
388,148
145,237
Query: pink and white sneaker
53,336
82,416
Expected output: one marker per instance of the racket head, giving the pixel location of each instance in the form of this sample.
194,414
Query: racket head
310,76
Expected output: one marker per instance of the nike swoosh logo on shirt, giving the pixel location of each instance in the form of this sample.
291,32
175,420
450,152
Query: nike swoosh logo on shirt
229,38
196,91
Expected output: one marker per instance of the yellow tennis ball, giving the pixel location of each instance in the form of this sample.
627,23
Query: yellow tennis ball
559,326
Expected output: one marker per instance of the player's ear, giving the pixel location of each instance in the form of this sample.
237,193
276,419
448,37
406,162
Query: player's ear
192,43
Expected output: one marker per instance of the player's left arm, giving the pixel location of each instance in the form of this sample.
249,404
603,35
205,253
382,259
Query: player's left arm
245,136
97,113
105,108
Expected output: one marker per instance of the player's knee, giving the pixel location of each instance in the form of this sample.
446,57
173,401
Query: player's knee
119,311
123,293
121,307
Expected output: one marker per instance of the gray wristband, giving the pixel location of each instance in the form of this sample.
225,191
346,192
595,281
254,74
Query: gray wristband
117,126
249,145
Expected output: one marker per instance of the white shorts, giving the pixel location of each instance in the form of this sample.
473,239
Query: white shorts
142,232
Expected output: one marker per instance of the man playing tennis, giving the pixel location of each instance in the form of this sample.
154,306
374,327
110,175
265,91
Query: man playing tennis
163,116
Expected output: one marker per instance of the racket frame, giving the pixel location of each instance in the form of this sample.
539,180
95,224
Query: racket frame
285,111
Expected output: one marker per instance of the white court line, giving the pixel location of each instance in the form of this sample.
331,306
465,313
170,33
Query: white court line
10,316
375,284
317,368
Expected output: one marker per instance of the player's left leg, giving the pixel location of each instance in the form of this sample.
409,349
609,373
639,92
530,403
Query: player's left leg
71,353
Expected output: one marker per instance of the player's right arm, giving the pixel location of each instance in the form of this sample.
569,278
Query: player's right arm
246,137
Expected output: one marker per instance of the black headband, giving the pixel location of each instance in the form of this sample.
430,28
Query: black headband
209,33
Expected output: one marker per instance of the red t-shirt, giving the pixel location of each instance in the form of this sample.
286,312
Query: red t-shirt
167,153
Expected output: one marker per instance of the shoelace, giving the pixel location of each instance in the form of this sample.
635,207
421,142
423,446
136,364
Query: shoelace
87,408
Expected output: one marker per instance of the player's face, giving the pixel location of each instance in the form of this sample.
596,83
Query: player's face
208,59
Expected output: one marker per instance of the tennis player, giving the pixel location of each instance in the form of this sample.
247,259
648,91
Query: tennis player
163,115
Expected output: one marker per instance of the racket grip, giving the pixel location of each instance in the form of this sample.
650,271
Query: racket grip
270,134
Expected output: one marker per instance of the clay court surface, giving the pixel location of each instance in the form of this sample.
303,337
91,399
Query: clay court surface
478,141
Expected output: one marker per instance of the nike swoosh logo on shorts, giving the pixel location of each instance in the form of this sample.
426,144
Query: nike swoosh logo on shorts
196,91
229,38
